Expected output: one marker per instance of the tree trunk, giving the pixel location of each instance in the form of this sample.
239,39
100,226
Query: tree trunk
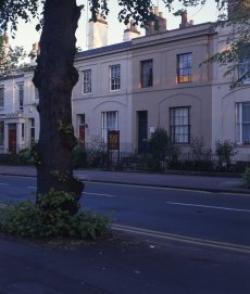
55,77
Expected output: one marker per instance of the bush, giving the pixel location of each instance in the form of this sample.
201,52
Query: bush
51,219
158,144
246,177
25,156
79,156
225,151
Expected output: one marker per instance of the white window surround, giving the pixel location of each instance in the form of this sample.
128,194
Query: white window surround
87,81
180,125
110,121
115,77
243,123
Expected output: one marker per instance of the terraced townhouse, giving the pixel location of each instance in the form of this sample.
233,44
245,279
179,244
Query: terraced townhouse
138,85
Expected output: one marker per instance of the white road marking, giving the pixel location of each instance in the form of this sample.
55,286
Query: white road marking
99,194
183,239
208,206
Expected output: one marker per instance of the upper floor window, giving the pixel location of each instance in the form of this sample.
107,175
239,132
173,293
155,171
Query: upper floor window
180,125
115,75
1,132
243,122
21,95
147,73
109,123
87,81
1,97
244,72
184,68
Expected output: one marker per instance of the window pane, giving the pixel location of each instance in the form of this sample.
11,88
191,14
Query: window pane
184,68
147,73
179,125
115,73
109,122
87,83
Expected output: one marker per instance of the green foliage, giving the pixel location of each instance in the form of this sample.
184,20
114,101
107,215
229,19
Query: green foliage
24,156
246,177
158,144
225,151
51,219
79,156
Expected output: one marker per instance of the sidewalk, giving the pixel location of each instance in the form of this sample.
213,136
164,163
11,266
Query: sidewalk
211,184
122,265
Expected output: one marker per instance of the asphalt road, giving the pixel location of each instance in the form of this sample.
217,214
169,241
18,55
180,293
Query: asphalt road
203,215
193,242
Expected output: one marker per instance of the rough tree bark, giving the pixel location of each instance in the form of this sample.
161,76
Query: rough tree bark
55,77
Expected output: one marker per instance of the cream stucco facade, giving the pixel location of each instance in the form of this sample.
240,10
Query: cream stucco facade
110,81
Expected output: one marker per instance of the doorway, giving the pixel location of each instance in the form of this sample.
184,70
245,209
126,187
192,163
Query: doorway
12,138
142,119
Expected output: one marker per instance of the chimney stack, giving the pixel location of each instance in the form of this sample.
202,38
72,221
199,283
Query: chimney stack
184,20
157,26
131,32
98,33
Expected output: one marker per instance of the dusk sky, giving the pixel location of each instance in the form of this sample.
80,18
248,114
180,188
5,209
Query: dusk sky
27,35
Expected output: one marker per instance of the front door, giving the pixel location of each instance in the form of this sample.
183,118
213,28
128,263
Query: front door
142,118
12,138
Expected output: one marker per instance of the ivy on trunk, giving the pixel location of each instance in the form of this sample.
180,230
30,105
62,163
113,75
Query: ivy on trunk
55,77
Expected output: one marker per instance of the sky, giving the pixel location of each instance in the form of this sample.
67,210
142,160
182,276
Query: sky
27,35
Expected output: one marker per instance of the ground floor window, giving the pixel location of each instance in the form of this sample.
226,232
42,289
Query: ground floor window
109,123
32,130
81,127
180,125
243,122
1,133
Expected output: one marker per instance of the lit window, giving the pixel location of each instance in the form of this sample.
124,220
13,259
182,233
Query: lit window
180,125
109,123
147,73
115,74
184,68
243,122
87,82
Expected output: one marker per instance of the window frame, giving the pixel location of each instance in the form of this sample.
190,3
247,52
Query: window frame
115,81
172,128
181,79
240,124
142,81
21,101
104,130
87,81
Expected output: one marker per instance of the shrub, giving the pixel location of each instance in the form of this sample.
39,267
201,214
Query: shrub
25,156
51,219
246,177
79,156
225,151
158,144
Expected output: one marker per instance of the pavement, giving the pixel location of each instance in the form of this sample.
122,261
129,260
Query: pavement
204,183
122,265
